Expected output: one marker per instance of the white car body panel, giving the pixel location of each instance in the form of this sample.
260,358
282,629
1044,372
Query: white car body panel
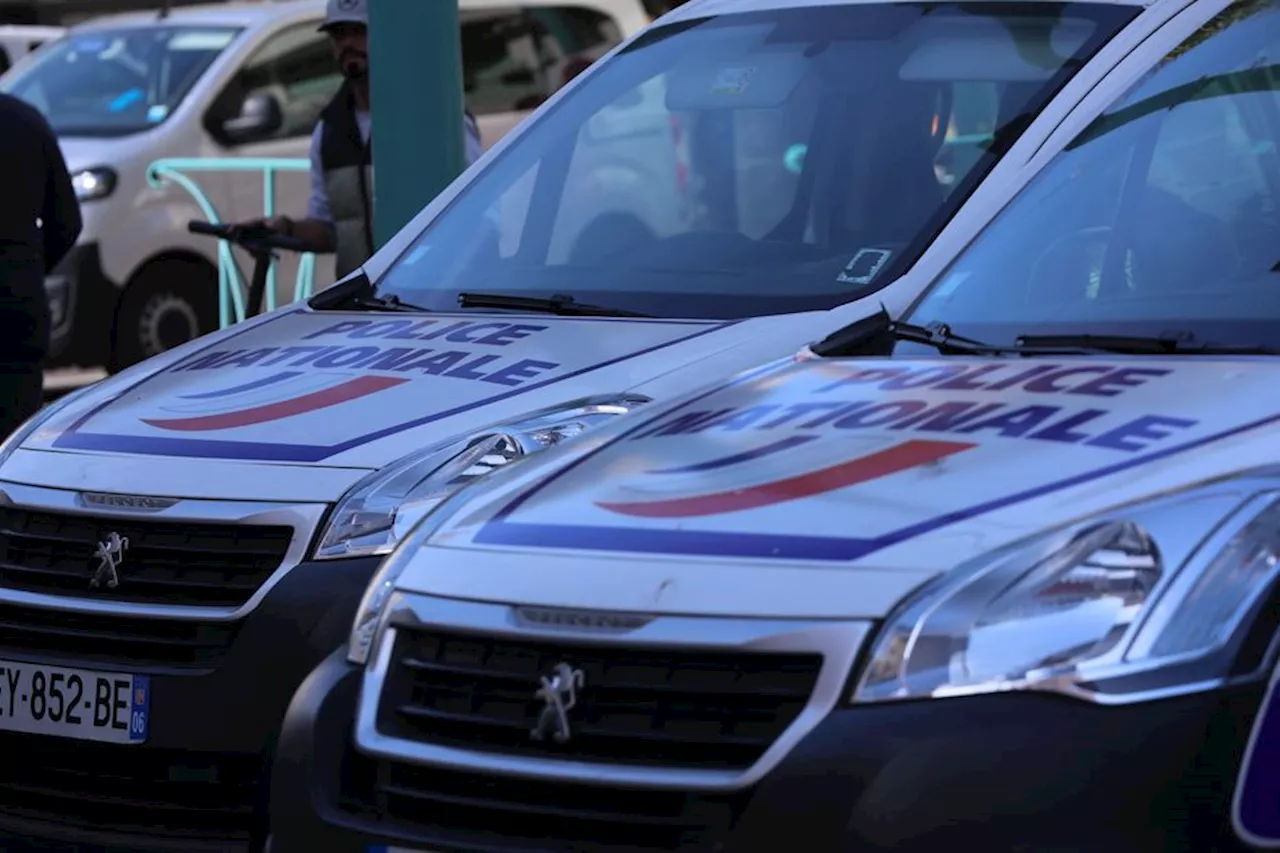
614,523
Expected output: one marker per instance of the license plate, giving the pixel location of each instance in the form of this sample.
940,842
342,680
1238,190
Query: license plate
110,707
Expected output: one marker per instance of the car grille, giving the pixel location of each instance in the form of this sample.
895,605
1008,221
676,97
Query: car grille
167,562
157,793
494,812
110,639
676,708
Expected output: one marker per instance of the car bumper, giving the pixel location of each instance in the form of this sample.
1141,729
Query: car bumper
1025,773
198,783
82,304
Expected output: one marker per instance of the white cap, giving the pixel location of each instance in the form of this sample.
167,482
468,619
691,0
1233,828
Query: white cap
346,12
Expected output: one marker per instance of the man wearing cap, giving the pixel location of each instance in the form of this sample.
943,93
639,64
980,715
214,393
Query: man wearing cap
340,211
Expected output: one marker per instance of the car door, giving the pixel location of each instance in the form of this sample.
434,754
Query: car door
295,65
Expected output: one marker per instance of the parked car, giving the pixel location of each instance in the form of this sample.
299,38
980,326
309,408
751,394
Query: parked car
995,573
708,196
17,41
123,91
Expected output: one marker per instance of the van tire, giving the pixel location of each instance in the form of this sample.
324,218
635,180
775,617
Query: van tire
168,303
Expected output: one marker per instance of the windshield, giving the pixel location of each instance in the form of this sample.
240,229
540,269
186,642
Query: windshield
1162,219
791,160
116,82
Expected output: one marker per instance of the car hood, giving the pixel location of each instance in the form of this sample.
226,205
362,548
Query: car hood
833,488
82,153
348,392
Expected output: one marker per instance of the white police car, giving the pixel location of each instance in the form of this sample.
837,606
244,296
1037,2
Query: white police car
1003,576
183,543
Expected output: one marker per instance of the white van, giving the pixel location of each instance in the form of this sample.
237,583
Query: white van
190,538
126,90
18,41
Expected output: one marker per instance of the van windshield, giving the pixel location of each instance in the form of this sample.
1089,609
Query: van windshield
114,82
755,163
1160,221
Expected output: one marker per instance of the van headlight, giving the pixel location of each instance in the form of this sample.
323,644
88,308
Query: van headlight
94,184
1145,603
378,511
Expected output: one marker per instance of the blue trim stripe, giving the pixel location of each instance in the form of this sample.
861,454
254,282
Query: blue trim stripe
240,389
745,456
500,531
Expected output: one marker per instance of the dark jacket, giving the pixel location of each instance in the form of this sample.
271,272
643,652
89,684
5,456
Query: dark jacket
347,164
39,222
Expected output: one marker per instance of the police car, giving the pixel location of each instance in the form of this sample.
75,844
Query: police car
1000,575
184,542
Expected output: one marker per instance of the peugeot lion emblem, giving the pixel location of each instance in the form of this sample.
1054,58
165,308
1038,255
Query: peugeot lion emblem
558,694
110,555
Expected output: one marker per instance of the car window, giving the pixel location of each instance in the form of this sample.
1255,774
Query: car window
1162,218
297,67
574,37
112,82
506,56
756,163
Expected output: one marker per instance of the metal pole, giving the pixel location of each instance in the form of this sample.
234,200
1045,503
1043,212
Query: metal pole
416,97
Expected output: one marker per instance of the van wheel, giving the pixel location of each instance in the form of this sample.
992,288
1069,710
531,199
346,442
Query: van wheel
167,304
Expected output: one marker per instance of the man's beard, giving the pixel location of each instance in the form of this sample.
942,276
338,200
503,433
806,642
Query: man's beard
354,68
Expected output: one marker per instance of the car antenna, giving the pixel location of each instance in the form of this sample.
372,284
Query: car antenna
164,10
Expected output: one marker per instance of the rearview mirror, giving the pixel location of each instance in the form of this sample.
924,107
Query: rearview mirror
260,117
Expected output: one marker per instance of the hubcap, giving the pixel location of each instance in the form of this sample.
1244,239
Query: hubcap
167,321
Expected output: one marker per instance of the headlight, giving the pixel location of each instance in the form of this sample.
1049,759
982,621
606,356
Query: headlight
380,509
364,628
93,184
1150,601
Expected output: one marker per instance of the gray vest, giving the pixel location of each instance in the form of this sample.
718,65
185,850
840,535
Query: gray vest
347,164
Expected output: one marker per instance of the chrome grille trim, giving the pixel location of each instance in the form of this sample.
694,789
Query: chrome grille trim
839,643
303,518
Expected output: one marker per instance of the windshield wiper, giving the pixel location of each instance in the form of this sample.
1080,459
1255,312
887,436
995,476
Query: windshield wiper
876,335
558,304
358,295
1173,343
390,302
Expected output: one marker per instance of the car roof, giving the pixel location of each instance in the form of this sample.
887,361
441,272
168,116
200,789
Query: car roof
702,8
241,14
249,13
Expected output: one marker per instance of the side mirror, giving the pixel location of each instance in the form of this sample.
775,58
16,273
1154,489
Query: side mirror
260,117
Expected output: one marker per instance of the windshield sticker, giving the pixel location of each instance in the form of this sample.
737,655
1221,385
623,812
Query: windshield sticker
754,469
732,81
157,113
305,386
864,266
